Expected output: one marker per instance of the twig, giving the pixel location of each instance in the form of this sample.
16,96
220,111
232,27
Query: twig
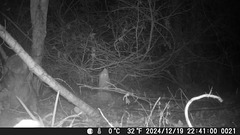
198,98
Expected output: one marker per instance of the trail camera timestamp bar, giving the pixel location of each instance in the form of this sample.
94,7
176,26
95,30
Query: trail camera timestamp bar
170,131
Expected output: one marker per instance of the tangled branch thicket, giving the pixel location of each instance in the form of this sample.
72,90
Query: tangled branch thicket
130,41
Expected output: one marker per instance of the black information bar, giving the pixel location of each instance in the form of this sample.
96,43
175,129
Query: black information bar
126,131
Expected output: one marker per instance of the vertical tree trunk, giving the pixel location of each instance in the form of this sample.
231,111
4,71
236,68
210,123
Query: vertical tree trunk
38,9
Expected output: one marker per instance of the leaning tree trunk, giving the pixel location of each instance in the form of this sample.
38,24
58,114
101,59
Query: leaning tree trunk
37,70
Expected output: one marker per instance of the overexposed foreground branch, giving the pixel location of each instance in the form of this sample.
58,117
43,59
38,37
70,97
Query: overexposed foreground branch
198,98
